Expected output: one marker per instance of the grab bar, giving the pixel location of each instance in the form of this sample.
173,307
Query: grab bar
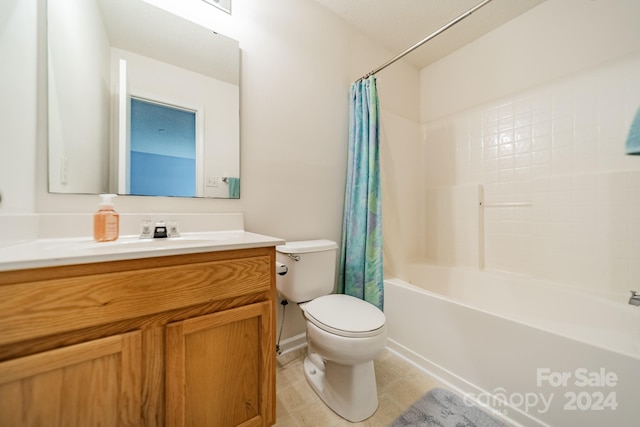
507,204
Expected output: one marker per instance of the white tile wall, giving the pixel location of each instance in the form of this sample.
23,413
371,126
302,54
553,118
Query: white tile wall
561,147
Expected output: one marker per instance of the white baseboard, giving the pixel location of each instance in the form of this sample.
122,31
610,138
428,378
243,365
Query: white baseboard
293,343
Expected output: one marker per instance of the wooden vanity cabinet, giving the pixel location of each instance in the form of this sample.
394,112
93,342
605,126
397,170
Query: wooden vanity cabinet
184,340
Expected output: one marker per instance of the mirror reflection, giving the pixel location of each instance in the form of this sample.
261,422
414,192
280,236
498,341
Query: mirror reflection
140,102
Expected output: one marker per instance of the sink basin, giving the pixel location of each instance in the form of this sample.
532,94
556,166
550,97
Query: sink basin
183,239
134,243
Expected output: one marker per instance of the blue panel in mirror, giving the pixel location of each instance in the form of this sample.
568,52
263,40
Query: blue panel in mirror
163,150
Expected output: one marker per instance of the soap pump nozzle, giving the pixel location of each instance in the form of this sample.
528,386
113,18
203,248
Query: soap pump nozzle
106,200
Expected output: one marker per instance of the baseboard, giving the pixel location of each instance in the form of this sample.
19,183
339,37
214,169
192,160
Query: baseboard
293,343
508,414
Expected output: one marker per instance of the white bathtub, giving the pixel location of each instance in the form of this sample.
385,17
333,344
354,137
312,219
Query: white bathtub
536,353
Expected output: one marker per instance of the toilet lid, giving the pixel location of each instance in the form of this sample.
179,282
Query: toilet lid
345,315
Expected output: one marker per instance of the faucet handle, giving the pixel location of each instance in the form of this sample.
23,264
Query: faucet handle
174,229
146,231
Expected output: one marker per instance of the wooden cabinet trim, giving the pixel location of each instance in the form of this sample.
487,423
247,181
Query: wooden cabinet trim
16,369
199,323
31,310
88,269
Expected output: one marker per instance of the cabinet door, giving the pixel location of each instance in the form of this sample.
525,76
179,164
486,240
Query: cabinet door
96,383
220,369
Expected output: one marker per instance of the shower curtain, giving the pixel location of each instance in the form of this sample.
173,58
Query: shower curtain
360,272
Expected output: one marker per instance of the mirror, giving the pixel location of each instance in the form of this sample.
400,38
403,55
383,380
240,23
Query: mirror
140,102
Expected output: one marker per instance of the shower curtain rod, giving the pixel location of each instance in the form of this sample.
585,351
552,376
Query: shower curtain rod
426,39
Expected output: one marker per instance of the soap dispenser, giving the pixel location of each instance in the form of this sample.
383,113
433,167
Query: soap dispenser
106,221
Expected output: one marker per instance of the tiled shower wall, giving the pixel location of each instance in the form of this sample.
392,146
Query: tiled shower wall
562,200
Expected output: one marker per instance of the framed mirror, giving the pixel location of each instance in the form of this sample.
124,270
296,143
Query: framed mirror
140,101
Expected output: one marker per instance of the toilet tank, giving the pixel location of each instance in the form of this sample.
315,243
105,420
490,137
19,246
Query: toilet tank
312,275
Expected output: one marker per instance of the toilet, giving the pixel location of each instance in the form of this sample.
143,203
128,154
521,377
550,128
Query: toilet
344,333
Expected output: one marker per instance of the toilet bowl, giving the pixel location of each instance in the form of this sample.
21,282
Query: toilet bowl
344,334
339,362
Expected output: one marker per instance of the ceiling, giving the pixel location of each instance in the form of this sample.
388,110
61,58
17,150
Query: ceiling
399,24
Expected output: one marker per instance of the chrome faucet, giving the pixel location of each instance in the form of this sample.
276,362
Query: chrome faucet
635,298
160,230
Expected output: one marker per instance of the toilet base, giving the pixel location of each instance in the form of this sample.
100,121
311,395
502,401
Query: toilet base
350,391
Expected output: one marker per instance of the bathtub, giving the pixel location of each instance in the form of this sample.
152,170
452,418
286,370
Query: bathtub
532,352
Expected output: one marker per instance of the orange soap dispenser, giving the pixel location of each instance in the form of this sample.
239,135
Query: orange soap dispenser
106,221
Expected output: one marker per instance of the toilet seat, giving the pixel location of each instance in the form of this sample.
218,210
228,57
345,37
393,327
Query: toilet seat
345,316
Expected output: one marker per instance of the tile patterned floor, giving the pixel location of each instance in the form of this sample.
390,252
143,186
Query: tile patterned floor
399,385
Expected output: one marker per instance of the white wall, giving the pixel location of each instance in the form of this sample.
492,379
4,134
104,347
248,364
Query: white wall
18,109
298,61
537,112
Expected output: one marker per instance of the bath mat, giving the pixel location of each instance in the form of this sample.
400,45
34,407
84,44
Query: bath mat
442,408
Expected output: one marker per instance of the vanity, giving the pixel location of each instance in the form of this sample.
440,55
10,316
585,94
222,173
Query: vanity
175,334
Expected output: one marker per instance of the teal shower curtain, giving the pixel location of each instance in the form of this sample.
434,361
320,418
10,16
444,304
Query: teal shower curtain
360,272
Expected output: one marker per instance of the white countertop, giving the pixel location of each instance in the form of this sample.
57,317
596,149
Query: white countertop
79,250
